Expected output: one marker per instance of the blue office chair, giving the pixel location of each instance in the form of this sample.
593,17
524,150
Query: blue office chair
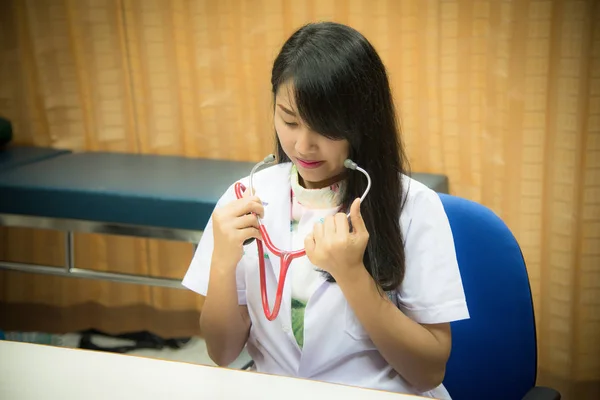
494,354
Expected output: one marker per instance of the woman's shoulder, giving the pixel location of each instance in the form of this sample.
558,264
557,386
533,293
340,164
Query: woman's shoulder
414,190
418,198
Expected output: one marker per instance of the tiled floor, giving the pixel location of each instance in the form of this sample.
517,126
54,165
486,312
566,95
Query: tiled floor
193,352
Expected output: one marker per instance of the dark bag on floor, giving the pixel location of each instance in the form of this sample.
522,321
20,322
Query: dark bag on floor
141,340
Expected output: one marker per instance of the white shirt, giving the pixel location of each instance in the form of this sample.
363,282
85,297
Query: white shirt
336,347
309,207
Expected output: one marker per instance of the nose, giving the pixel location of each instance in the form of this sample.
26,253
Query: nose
306,141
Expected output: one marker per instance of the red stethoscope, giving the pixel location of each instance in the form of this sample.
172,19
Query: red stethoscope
285,257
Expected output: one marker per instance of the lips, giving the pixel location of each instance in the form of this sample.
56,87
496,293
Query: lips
309,164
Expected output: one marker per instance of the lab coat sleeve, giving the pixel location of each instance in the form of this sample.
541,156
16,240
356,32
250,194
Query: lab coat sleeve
198,273
432,290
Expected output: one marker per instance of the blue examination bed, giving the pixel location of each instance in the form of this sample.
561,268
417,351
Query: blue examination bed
14,157
164,197
152,191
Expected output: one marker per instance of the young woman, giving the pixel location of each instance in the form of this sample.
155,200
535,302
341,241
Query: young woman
369,305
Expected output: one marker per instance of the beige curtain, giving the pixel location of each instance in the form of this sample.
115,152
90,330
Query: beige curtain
502,96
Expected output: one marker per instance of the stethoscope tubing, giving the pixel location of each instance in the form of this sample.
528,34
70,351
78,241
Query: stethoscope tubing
285,257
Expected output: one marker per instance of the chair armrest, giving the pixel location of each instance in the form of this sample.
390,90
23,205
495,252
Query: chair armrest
542,393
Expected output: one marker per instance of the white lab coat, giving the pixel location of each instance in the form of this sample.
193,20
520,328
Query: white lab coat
336,346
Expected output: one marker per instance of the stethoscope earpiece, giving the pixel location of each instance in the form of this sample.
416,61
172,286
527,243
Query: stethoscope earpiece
348,163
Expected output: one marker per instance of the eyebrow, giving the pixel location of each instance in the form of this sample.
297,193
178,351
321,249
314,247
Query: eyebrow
286,110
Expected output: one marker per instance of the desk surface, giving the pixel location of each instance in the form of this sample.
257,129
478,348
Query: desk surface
29,371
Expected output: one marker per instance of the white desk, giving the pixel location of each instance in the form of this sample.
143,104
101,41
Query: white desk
29,371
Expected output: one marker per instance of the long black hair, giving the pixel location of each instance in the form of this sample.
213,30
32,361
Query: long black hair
342,91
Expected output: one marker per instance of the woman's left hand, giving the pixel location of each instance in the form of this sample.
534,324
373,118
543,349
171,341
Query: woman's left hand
333,248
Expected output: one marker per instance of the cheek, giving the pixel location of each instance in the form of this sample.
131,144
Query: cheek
283,133
340,149
345,149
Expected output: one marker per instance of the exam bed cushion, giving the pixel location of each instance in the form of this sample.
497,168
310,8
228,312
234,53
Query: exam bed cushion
15,156
149,190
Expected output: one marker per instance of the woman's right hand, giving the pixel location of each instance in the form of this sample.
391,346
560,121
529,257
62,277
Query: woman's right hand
232,225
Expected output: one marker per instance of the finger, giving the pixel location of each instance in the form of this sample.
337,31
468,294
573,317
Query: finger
358,224
329,226
246,221
247,233
341,223
309,244
248,205
256,206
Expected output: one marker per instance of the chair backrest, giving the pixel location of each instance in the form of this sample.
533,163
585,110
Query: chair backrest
494,353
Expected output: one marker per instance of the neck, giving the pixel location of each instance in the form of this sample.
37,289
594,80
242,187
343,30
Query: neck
321,184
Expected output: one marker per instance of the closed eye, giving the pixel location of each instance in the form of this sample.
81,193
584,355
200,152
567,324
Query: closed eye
290,124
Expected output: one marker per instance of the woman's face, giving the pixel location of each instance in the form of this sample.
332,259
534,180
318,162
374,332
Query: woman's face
320,161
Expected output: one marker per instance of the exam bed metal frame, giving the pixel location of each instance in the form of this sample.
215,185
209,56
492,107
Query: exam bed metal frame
69,227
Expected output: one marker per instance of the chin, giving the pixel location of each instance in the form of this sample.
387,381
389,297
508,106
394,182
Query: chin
313,178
